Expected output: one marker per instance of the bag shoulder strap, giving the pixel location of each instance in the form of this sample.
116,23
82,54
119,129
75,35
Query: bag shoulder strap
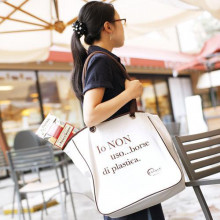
102,52
133,107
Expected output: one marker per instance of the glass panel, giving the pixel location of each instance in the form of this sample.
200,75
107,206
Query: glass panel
58,97
206,100
163,100
207,97
217,89
18,110
148,98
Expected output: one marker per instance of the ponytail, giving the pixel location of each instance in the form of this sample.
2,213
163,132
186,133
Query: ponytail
91,19
79,56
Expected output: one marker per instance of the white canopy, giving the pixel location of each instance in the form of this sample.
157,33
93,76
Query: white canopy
208,80
28,30
212,6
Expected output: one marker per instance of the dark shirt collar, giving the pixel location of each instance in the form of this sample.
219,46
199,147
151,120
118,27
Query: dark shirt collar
94,48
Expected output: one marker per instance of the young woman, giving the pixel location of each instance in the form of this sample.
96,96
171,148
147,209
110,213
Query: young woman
106,93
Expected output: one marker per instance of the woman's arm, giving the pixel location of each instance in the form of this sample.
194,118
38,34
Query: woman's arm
94,112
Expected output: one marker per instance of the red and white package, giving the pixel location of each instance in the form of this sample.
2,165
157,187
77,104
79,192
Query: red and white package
55,131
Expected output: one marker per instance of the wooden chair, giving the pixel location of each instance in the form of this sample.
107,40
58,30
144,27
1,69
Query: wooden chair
173,128
200,155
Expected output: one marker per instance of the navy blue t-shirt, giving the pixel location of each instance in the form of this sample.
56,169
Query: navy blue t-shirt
103,72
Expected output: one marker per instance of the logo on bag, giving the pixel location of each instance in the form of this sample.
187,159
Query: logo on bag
153,172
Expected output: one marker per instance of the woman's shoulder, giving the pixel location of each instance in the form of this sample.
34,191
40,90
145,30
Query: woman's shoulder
100,63
98,73
100,58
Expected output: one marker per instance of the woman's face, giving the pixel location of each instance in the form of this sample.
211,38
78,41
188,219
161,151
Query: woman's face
118,33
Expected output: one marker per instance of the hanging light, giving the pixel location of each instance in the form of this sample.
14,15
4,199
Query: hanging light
175,73
6,88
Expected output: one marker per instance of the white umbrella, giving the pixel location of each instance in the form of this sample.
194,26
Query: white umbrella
29,28
212,6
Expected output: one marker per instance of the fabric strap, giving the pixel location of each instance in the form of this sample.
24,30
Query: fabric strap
133,106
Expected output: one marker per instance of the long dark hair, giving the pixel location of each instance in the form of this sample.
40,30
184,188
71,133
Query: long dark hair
93,14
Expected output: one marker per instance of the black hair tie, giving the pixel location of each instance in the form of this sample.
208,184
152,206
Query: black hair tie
79,28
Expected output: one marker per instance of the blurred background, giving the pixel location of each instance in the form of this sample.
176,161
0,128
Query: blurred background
172,47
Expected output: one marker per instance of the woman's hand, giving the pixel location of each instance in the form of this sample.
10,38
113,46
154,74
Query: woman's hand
134,88
96,111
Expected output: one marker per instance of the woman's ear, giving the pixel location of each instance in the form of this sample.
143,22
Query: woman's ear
108,27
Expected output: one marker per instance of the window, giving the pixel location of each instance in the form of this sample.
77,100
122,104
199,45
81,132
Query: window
58,97
148,98
163,100
19,105
156,97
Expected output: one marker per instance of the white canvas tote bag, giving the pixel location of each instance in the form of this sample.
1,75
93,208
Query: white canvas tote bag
131,162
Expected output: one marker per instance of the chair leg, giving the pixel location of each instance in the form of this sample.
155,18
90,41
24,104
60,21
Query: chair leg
42,212
63,176
65,201
28,207
70,192
20,208
13,204
44,202
203,203
64,216
71,199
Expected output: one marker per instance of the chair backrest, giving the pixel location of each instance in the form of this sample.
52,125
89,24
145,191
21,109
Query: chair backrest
3,163
31,158
26,139
200,153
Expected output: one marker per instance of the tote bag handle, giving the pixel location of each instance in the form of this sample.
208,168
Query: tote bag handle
133,106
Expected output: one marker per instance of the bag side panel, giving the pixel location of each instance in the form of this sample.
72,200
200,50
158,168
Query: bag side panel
166,138
77,149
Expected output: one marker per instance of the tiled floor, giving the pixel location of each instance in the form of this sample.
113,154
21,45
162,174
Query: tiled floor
183,206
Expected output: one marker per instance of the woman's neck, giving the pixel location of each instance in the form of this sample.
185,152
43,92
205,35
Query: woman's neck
104,45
